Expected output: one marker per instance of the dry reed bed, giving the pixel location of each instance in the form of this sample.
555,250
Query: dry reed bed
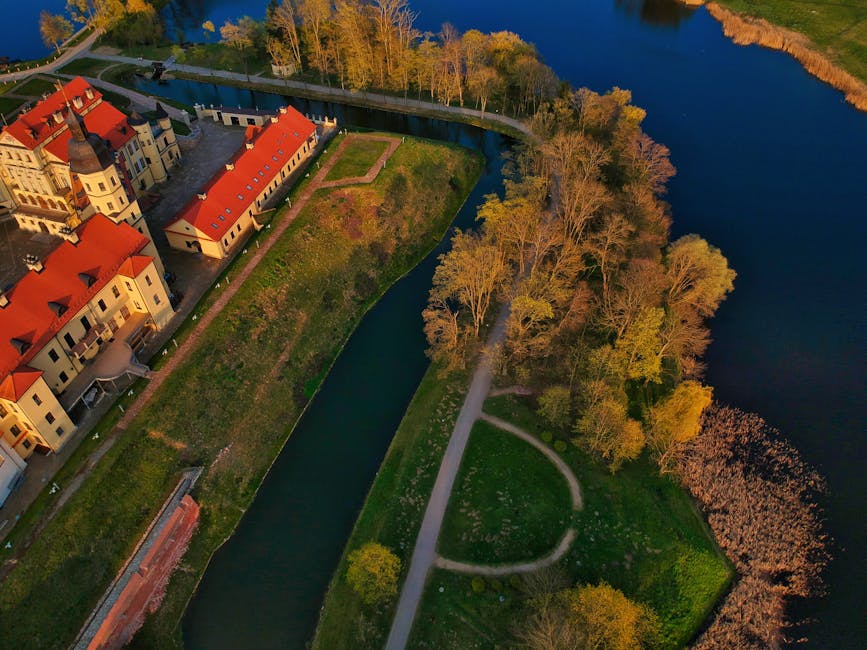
746,30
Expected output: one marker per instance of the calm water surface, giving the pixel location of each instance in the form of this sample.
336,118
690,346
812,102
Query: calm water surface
772,168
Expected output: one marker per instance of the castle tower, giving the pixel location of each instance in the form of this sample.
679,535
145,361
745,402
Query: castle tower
93,163
149,146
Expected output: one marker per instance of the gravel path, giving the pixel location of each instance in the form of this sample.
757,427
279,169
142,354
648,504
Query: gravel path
510,569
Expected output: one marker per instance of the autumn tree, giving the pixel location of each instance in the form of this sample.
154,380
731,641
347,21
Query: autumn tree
699,276
54,29
469,275
373,572
605,427
283,21
81,11
555,406
676,420
208,29
640,346
610,620
240,37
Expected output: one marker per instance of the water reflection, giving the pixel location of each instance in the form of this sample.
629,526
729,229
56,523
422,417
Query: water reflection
663,13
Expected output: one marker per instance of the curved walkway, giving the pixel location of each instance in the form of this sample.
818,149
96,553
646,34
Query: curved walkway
509,569
559,463
51,66
568,536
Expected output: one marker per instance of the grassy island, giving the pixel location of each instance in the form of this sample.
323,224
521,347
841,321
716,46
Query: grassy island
233,403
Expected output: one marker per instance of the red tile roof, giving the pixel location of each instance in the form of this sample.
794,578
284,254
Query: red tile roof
231,193
104,120
29,319
16,384
37,124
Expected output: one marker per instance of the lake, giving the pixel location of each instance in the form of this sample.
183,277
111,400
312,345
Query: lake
772,168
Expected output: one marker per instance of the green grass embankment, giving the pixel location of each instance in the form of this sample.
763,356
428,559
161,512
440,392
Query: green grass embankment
232,404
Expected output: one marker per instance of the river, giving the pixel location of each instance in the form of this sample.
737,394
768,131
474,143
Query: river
772,168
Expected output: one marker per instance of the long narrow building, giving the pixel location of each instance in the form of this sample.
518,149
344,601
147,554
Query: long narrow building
224,211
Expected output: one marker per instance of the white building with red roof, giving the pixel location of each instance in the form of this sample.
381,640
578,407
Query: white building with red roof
224,211
42,166
69,329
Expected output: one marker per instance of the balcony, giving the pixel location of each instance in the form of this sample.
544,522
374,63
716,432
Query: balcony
95,335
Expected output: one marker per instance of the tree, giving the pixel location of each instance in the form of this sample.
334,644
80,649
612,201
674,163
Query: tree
373,572
208,28
314,15
81,11
640,346
283,20
609,620
54,29
676,420
107,13
240,37
699,276
469,274
606,429
555,405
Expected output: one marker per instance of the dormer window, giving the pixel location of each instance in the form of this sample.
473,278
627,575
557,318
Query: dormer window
56,307
241,197
20,345
76,101
88,279
215,226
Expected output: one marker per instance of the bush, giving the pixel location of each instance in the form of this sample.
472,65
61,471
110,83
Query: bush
496,585
515,581
555,405
547,437
478,585
373,572
560,446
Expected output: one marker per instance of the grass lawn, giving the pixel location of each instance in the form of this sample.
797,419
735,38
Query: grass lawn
85,66
223,57
35,87
10,104
393,511
230,407
357,159
509,503
837,28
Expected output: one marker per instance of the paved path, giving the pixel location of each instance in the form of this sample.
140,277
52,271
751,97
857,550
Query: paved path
424,553
51,66
141,100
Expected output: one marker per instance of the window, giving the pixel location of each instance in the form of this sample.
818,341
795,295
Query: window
87,185
52,354
101,304
36,399
27,444
238,227
128,286
111,206
148,280
113,181
69,340
49,417
85,323
115,291
64,377
59,431
3,411
137,306
15,430
102,187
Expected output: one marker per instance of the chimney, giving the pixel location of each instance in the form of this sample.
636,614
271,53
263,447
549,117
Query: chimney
58,117
33,263
249,145
230,167
3,299
76,101
283,110
274,119
202,196
88,92
69,235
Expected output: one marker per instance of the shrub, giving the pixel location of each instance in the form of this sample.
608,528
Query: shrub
555,405
560,446
547,437
515,581
496,585
478,585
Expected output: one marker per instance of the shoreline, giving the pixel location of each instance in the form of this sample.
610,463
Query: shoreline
747,30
